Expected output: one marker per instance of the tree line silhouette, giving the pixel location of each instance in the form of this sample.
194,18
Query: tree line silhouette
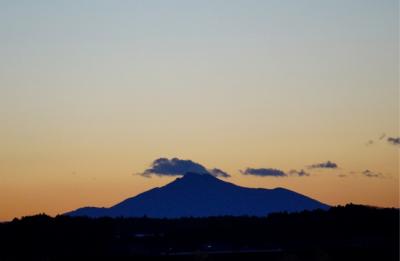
351,232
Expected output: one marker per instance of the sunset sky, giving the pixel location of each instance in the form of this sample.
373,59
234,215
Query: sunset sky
92,92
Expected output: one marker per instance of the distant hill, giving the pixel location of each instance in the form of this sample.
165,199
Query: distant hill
203,195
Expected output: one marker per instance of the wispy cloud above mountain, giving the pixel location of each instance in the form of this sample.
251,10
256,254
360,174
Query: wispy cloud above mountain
263,172
270,172
383,135
391,140
300,173
371,174
324,165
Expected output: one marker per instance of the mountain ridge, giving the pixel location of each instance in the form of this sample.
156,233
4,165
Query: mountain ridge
203,195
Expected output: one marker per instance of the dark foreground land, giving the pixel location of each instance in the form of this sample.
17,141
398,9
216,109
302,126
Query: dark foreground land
342,233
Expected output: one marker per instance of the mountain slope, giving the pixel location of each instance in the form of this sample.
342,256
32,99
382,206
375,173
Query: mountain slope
201,195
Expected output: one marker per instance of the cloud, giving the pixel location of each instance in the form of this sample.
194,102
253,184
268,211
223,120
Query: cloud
177,167
264,172
173,167
219,173
394,140
300,173
270,172
324,165
369,143
371,174
372,142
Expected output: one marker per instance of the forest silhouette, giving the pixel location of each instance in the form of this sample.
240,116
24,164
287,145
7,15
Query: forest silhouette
351,232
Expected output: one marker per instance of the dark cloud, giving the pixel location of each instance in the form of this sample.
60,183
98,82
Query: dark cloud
264,172
178,167
269,172
371,174
324,165
219,173
394,140
173,167
300,173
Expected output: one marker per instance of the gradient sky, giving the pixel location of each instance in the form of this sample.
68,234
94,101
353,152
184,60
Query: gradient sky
91,92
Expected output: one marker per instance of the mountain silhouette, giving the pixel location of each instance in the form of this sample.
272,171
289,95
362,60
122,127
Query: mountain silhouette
203,195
